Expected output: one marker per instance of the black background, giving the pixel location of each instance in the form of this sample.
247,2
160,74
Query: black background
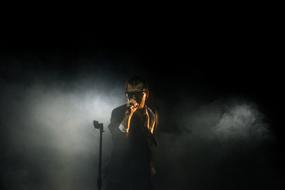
207,58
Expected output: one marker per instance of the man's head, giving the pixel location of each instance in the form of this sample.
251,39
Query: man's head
137,91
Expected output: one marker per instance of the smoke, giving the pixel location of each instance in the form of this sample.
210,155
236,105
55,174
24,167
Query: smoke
218,144
243,122
50,142
227,120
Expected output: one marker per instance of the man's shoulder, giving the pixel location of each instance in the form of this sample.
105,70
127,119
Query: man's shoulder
120,109
150,111
118,113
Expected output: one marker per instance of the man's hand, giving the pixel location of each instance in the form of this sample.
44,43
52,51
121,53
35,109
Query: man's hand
124,127
133,106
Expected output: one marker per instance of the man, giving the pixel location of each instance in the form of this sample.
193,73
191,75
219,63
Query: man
132,127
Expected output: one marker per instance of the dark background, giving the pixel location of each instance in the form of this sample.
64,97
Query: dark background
189,61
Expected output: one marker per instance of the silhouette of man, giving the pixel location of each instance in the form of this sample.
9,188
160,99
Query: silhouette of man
132,127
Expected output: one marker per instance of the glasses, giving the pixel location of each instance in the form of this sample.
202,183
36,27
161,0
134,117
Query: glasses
135,94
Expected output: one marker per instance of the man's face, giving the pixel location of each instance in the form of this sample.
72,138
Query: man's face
136,94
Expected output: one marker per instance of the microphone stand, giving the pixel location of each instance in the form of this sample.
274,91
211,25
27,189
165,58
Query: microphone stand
100,127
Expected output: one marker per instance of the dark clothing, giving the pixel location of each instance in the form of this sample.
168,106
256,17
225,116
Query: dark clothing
130,164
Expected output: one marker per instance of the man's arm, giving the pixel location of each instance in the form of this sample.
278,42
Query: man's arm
153,125
117,120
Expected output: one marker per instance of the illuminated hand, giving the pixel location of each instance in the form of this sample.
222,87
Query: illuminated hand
125,124
133,106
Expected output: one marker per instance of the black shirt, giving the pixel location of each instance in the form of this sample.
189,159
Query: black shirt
131,155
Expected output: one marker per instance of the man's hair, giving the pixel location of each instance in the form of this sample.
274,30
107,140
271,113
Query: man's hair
135,80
